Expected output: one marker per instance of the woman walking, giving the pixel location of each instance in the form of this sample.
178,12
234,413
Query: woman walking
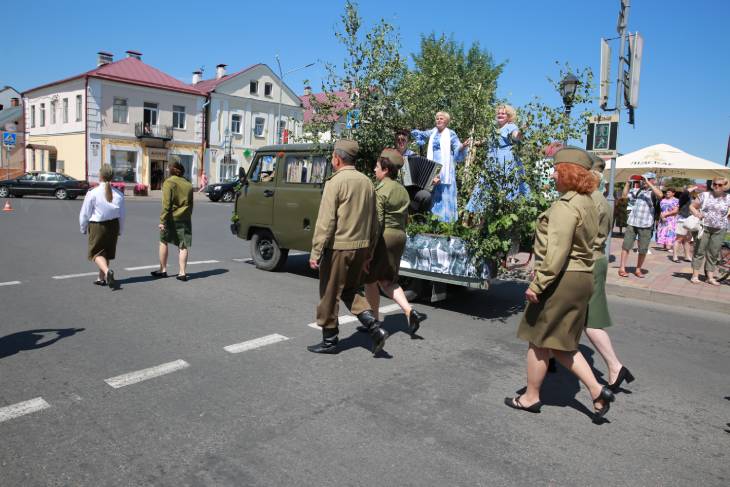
667,226
559,293
713,208
598,316
102,217
392,202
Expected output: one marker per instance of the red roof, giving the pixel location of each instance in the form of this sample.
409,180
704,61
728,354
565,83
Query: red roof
133,71
341,105
208,85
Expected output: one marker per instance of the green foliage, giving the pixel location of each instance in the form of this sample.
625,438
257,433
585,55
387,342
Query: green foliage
678,184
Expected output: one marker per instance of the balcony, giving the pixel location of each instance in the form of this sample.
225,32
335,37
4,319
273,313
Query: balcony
153,132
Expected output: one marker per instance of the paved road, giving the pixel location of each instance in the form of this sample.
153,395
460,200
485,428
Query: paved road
428,412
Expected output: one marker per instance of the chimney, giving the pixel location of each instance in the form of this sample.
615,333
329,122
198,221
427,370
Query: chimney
307,90
15,102
196,76
135,54
103,58
220,71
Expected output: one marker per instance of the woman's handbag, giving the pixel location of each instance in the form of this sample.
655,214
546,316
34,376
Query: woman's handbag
692,223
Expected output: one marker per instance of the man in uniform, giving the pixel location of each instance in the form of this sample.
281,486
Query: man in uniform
344,240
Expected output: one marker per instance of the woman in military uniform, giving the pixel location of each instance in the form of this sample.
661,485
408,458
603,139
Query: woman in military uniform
559,293
392,202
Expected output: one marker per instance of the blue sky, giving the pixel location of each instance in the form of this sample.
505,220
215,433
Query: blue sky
684,99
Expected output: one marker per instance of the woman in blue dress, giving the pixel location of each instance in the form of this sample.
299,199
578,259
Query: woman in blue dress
502,158
445,148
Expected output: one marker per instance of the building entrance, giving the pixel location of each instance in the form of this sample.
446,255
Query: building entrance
158,173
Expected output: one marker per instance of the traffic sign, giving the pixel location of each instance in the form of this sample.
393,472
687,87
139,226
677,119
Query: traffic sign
9,139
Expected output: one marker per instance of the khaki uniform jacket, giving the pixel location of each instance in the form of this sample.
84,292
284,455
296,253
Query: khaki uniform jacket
392,203
347,219
605,223
177,199
564,239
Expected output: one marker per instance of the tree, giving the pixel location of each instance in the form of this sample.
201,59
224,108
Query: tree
364,84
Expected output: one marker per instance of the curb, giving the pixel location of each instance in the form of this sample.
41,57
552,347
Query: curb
667,298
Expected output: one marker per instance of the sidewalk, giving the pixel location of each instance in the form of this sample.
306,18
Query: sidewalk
664,281
157,195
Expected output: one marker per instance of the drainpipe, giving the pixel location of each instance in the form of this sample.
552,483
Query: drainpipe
86,122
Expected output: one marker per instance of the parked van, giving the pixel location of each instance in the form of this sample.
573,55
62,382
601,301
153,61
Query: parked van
276,210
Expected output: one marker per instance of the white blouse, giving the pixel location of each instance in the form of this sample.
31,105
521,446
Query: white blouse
97,209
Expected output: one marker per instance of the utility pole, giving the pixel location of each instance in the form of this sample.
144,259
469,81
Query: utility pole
279,131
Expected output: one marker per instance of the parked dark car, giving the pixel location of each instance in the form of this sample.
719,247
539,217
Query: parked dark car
225,191
45,184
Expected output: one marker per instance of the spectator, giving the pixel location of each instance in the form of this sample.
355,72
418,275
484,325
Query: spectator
713,209
684,236
640,222
667,225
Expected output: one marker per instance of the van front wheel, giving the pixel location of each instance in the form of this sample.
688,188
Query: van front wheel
266,253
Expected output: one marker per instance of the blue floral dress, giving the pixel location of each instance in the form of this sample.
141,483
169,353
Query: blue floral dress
444,195
501,159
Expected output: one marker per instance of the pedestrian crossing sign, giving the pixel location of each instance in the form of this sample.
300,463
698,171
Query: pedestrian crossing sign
9,139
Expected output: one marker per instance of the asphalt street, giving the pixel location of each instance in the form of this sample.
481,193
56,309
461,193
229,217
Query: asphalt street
139,386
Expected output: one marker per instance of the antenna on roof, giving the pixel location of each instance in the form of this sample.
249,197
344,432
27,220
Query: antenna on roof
202,70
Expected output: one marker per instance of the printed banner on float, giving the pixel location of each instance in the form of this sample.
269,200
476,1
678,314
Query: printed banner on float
441,255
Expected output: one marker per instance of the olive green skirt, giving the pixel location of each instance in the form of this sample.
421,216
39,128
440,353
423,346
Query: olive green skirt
558,320
103,239
598,316
386,259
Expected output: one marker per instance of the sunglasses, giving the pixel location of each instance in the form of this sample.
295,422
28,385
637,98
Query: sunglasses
718,185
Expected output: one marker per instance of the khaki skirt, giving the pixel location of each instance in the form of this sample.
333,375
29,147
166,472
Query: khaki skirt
386,259
598,316
557,321
103,239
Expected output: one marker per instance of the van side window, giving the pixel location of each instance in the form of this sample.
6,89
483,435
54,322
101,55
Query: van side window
305,169
264,169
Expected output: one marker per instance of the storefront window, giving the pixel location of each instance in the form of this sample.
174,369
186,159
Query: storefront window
124,164
187,163
228,170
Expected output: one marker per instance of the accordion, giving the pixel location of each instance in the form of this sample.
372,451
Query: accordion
419,171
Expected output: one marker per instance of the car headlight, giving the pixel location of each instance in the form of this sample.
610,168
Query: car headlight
216,188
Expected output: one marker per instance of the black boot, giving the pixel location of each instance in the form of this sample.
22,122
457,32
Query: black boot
379,336
414,321
368,320
329,342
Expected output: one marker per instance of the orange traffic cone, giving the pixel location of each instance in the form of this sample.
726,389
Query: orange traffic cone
7,206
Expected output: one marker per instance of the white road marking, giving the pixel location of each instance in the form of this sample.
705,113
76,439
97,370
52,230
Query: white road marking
257,343
203,262
23,408
349,318
142,267
71,276
249,259
145,374
9,283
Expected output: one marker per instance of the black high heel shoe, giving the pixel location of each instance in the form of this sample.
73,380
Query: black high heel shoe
607,396
414,321
623,375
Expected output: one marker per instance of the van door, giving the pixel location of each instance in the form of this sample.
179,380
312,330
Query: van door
299,192
258,195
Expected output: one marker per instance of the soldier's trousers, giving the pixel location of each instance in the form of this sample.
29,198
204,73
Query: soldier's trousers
340,277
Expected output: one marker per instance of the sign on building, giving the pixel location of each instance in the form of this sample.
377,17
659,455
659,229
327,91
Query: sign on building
9,139
602,135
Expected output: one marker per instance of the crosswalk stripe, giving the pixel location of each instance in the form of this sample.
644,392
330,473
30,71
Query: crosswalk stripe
71,276
203,262
23,408
9,283
349,318
145,374
142,267
257,343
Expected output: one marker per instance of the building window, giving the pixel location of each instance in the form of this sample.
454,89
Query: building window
236,124
150,115
65,110
267,89
178,116
120,111
54,105
254,87
280,134
187,163
124,164
227,169
78,108
43,114
258,129
32,116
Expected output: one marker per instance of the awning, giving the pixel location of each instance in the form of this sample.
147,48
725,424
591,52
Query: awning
667,161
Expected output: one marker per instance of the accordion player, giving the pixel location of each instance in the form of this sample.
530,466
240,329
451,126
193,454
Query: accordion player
417,176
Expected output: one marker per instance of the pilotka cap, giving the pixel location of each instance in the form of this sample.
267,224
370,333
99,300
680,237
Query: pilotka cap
348,146
393,156
573,155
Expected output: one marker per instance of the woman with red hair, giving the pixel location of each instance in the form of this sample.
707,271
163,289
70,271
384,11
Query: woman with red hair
559,293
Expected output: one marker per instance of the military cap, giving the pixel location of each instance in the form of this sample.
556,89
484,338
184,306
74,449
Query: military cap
598,163
348,146
573,155
393,156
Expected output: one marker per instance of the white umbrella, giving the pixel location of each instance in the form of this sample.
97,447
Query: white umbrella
666,161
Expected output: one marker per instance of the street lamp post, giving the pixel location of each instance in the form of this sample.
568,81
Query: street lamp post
568,86
281,89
